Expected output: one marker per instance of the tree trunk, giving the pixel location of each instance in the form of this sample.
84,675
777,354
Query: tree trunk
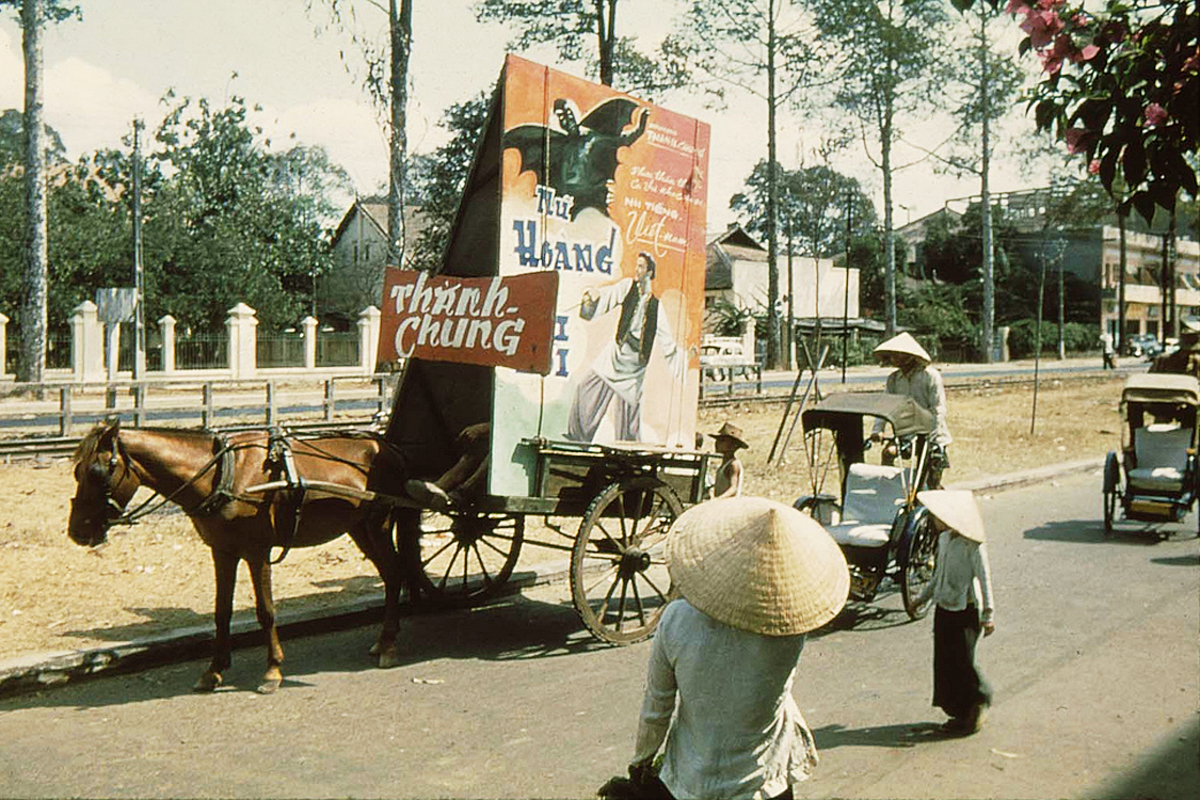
34,314
606,26
989,265
772,203
400,29
889,244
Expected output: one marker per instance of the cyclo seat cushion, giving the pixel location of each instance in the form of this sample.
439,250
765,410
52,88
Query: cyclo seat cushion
874,493
1160,458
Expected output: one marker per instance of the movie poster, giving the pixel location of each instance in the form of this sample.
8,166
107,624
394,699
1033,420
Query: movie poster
610,193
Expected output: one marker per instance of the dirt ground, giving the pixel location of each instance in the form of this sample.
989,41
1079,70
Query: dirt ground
56,595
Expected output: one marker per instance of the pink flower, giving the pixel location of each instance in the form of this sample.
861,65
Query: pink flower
1041,27
1015,7
1155,114
1088,52
1094,167
1077,139
1063,48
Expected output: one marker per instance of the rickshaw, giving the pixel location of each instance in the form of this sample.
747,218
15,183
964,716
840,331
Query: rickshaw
874,516
1154,478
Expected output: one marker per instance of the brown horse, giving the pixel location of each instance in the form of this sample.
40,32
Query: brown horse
208,475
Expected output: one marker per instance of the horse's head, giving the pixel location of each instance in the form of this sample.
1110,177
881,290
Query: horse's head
105,483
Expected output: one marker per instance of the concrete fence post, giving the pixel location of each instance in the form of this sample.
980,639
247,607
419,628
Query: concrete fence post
310,342
3,345
368,338
242,327
166,326
87,344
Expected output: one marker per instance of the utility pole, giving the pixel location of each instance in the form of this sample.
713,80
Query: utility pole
139,318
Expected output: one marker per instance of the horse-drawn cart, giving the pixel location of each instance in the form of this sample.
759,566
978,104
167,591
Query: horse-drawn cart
561,329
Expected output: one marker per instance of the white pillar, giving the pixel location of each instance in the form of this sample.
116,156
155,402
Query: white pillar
112,349
166,326
241,325
87,342
748,338
310,342
368,338
3,345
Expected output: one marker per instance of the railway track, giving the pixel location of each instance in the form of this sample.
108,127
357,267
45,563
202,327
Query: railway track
49,447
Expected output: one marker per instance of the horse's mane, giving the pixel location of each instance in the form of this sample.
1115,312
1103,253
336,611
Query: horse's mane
87,446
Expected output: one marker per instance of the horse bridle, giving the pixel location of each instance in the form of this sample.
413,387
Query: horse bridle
114,510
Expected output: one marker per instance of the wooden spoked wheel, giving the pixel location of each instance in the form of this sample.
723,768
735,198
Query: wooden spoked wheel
619,580
467,557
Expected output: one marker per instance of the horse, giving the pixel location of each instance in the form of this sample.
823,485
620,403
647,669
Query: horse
210,477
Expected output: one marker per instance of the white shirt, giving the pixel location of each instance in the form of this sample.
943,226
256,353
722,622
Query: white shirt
620,364
925,386
962,575
737,731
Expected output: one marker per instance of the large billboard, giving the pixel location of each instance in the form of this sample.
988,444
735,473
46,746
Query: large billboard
609,192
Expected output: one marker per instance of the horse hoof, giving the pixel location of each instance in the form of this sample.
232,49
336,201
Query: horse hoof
208,682
375,650
269,686
389,658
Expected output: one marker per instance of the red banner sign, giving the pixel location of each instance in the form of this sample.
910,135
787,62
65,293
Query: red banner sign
495,322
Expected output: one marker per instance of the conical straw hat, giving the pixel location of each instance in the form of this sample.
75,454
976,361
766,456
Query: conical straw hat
906,344
956,509
757,565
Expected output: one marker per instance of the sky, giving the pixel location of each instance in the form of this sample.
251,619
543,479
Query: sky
120,60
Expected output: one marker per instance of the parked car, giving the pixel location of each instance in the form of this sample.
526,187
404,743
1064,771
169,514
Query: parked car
1143,345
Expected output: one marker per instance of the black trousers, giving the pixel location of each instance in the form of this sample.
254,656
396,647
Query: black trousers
958,685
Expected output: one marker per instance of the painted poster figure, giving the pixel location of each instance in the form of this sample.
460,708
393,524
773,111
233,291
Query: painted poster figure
582,161
619,370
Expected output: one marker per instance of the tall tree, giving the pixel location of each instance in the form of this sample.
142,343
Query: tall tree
34,14
888,60
386,80
991,80
813,202
582,30
764,48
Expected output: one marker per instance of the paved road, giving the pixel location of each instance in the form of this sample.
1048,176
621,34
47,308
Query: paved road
1094,665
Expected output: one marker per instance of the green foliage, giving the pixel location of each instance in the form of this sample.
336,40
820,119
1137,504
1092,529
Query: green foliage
1078,337
725,318
812,207
225,220
937,315
437,180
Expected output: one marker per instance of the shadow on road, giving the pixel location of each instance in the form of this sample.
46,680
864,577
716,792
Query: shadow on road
1072,532
906,735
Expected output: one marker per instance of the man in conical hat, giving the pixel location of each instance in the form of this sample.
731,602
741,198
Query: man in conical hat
916,377
755,576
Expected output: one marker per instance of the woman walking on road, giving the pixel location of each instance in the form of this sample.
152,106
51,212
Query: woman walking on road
962,589
755,577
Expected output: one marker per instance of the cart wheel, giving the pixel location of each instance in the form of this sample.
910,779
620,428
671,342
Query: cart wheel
619,579
468,557
919,560
1112,480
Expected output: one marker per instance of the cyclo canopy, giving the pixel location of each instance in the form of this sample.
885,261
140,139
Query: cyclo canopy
1161,388
838,412
843,414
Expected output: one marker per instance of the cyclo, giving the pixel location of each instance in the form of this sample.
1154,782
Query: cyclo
874,516
1155,476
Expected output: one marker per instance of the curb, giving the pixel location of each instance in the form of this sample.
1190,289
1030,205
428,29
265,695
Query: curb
40,671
